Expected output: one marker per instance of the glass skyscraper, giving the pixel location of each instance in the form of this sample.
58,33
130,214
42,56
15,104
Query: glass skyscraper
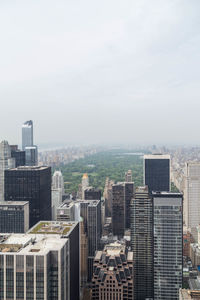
168,241
27,134
157,172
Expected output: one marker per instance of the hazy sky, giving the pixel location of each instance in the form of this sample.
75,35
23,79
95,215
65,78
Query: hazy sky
88,71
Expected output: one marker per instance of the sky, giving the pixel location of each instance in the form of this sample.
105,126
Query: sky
90,72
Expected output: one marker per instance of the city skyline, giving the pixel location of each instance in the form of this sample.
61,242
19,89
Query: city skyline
89,71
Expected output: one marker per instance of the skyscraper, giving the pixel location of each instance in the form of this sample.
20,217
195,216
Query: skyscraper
92,194
31,184
42,264
191,195
113,273
94,232
157,172
118,209
58,181
6,162
142,243
27,134
85,184
14,216
122,193
31,154
128,176
18,155
168,245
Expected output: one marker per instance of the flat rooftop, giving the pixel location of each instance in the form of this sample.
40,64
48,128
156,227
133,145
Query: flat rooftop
28,168
66,205
157,156
29,244
14,203
53,227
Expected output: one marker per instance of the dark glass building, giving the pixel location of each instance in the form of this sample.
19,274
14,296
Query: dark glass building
18,155
92,194
142,243
31,184
122,194
14,216
168,245
94,232
157,172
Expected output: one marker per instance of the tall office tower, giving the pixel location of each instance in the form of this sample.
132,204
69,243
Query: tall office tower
56,201
157,172
191,195
31,155
94,232
118,209
128,176
113,273
92,194
18,155
66,211
83,255
38,265
108,197
122,194
14,216
85,184
6,162
129,194
189,294
142,243
168,245
31,184
58,181
27,134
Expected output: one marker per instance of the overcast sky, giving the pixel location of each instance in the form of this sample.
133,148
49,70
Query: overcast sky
108,71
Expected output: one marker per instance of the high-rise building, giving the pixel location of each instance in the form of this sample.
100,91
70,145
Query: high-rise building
31,155
122,194
31,184
27,134
168,245
18,155
142,243
128,176
191,195
41,264
129,194
14,216
66,211
85,184
94,232
56,201
58,181
118,209
92,194
6,162
108,197
113,273
157,172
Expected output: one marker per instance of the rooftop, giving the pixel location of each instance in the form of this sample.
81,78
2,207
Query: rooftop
51,227
29,168
14,203
157,156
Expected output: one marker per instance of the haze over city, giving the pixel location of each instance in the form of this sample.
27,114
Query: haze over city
100,72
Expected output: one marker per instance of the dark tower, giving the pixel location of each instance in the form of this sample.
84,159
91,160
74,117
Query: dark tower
142,243
157,172
31,184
